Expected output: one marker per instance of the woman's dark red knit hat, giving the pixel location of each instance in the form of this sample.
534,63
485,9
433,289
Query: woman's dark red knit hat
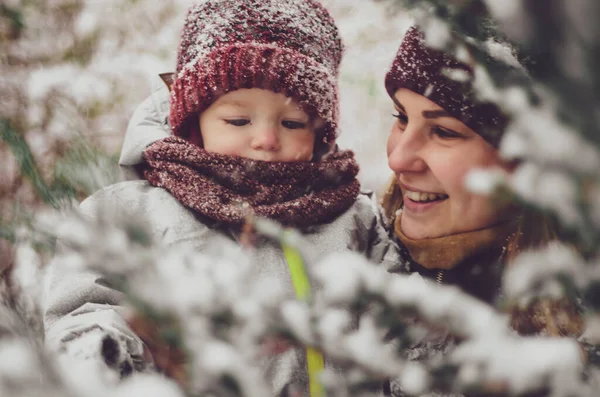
291,47
425,71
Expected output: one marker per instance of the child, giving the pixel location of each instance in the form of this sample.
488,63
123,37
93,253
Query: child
254,116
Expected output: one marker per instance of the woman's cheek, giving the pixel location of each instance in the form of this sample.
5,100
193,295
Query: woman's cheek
450,171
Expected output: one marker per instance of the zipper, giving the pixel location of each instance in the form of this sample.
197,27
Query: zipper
439,277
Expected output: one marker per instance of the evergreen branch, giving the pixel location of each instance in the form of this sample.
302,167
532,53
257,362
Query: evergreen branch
27,163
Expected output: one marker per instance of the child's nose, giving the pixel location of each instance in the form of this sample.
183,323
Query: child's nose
266,138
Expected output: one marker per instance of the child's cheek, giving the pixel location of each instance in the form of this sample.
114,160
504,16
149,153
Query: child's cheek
303,155
303,149
227,145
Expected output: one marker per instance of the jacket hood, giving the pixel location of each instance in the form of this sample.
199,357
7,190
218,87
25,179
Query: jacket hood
149,123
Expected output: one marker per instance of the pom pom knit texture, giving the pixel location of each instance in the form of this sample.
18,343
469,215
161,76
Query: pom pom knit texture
291,46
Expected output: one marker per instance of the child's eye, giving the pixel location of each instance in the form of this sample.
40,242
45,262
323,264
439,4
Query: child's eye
445,133
402,117
238,122
293,125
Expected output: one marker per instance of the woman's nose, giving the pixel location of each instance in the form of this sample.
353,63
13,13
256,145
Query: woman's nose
405,151
266,138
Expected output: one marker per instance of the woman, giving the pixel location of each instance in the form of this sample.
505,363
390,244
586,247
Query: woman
446,232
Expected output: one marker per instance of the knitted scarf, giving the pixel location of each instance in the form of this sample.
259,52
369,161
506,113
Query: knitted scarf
227,189
449,251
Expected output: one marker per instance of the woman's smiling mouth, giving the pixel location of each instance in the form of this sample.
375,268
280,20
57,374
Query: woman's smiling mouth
424,196
418,202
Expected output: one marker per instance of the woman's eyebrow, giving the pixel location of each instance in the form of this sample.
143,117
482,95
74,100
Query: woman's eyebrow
428,114
434,114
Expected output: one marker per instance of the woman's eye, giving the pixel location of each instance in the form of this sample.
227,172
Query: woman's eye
238,122
293,125
446,134
402,118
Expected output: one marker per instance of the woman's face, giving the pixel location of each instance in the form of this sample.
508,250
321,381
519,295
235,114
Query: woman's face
431,153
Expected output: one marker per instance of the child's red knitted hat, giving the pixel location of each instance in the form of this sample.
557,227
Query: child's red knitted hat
291,47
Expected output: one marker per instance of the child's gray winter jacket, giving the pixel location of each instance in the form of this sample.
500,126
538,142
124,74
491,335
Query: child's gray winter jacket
79,304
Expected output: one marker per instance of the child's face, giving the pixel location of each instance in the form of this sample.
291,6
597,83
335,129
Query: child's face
258,124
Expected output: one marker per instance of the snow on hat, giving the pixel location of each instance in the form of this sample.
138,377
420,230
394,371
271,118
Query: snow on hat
426,71
291,47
